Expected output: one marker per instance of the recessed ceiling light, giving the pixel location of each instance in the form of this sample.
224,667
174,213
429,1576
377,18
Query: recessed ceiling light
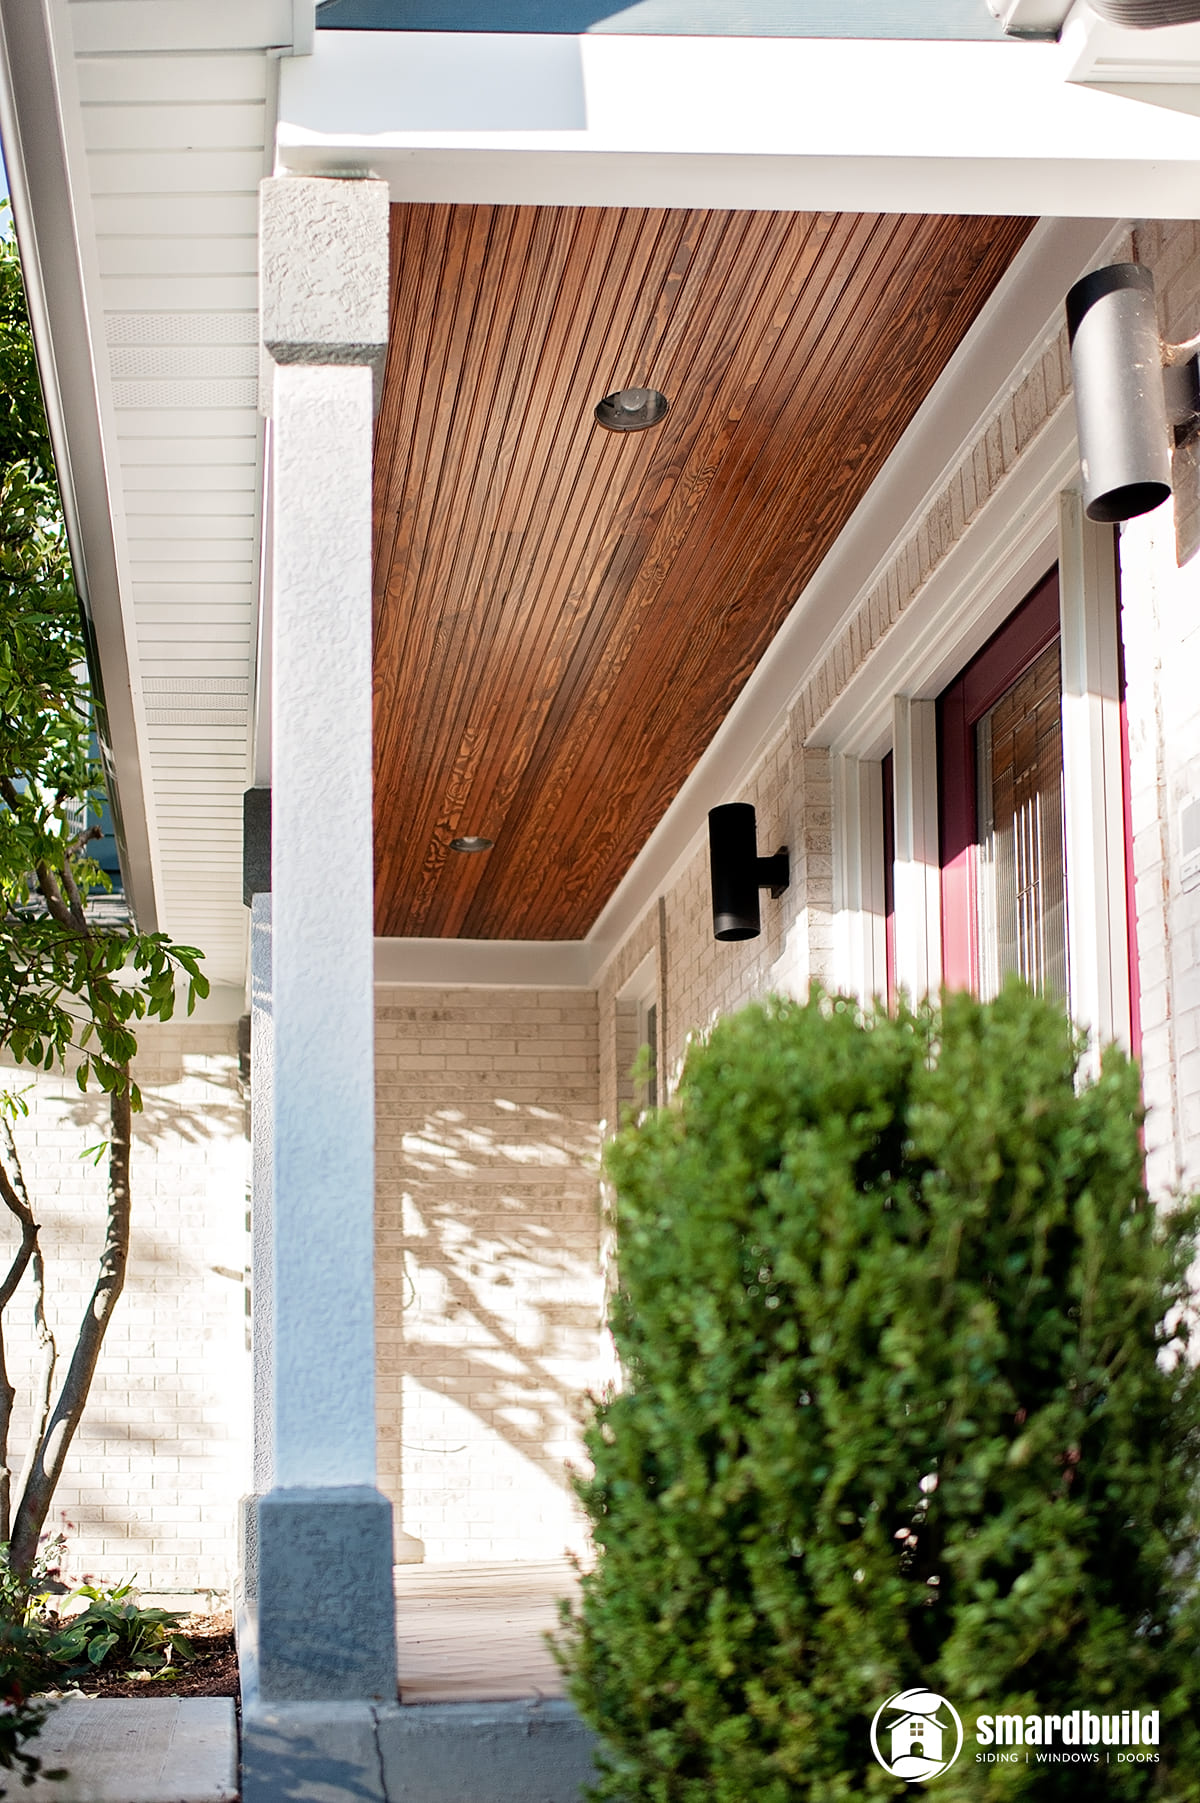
471,843
631,409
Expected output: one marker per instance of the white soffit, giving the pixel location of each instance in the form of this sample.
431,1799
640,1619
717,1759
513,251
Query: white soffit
736,122
166,114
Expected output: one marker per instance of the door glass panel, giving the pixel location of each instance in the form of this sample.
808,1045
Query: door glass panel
1022,881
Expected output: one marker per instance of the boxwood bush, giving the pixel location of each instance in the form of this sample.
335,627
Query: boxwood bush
907,1401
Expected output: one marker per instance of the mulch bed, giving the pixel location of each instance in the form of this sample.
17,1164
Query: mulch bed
212,1673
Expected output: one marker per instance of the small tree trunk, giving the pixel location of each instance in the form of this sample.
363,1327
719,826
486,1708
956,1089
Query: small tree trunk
54,1444
16,1199
48,1359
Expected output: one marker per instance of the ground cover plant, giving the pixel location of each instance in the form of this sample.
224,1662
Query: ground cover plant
907,1402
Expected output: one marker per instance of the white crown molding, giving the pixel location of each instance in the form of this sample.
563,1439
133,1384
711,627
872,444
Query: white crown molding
486,963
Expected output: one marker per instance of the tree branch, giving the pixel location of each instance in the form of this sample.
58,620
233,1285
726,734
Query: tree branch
74,899
16,1200
52,896
45,1376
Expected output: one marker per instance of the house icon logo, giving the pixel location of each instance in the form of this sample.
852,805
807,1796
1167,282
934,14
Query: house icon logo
916,1735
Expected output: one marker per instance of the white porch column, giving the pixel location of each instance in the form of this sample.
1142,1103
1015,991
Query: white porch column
325,1609
262,1328
262,1105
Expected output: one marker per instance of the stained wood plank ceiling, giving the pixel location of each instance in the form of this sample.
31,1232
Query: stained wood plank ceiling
564,615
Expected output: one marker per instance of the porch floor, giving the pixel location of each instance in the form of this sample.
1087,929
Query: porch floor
474,1633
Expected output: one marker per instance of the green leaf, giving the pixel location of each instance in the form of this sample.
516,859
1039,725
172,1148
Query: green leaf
101,1646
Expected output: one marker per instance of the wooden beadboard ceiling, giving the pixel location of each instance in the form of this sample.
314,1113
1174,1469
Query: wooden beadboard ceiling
564,615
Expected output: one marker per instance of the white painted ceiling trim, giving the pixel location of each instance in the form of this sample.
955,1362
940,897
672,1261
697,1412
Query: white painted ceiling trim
486,963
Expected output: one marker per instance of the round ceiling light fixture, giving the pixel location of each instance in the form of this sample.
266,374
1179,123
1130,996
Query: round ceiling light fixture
631,409
471,842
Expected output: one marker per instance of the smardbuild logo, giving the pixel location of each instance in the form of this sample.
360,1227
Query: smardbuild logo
917,1735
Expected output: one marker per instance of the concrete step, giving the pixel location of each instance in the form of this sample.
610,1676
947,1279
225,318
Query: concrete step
137,1750
501,1752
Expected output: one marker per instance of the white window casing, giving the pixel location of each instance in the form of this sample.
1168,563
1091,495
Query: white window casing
1093,777
918,876
858,895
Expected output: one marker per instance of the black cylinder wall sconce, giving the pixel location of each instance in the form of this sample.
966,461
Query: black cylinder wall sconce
738,873
1130,390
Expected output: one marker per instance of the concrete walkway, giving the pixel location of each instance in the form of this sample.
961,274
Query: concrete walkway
130,1750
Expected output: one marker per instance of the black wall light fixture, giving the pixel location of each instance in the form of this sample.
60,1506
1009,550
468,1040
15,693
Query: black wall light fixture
738,873
1130,390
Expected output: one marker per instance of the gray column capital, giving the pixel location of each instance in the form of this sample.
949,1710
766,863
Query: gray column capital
323,246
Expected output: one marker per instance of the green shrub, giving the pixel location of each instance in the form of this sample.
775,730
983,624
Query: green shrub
900,1408
115,1633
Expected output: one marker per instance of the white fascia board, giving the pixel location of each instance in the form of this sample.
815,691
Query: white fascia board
1009,331
38,162
815,124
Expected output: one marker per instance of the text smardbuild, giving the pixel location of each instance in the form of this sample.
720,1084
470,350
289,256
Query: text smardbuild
1079,1728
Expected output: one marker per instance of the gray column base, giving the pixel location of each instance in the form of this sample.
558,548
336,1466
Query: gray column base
310,1753
428,1753
326,1617
485,1753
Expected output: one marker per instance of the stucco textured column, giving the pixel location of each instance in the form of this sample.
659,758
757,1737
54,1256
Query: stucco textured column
262,1311
262,1102
325,1610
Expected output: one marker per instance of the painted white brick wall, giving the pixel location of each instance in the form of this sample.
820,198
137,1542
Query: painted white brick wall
1160,579
489,1293
153,1477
